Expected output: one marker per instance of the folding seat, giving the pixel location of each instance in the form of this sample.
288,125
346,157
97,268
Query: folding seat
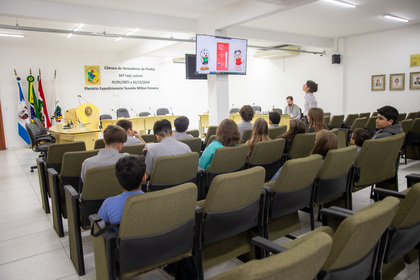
267,154
302,146
349,120
193,132
211,130
246,135
412,115
327,120
195,144
401,116
156,229
229,217
275,132
357,123
99,144
411,146
364,115
336,121
136,149
371,125
341,137
149,138
100,183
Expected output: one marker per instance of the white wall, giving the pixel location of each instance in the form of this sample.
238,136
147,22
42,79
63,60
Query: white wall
343,88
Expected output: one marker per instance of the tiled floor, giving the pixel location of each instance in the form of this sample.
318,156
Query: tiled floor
30,248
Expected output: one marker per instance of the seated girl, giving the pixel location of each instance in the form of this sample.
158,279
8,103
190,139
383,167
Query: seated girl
296,126
259,133
316,120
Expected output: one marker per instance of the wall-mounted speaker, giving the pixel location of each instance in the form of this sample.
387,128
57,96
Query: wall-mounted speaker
336,59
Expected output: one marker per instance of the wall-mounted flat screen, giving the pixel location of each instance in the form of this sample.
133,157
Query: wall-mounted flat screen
220,55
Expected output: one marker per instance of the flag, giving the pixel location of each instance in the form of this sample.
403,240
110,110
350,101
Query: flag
56,109
42,104
23,114
32,98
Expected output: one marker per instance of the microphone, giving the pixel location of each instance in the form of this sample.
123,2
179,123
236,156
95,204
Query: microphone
114,112
77,119
69,123
154,114
134,112
82,98
171,111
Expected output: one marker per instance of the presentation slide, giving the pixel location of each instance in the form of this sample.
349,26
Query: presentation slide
220,55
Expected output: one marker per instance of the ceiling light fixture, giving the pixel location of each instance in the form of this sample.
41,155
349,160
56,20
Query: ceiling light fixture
396,18
346,4
11,35
126,34
77,28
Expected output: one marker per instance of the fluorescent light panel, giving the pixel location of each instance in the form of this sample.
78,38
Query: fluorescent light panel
11,35
128,33
346,4
396,18
77,28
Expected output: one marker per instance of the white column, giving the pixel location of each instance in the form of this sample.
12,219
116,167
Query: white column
218,98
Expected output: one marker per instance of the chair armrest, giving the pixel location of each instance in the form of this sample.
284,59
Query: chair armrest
335,213
412,179
382,193
71,191
268,245
102,227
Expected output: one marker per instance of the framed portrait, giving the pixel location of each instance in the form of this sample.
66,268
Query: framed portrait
396,81
415,80
378,82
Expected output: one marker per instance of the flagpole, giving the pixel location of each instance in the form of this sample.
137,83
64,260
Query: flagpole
23,113
42,103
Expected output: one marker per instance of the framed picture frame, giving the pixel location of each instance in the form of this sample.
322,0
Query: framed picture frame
396,81
378,82
415,80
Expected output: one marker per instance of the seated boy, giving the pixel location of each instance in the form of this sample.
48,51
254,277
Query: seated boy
181,125
274,119
358,138
133,136
130,172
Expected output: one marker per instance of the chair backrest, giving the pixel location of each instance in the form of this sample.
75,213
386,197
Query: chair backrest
355,242
364,115
136,149
40,125
358,123
302,145
376,160
194,144
278,110
193,132
71,167
99,144
34,135
341,137
122,113
268,154
371,123
157,228
256,109
415,127
336,121
234,111
144,114
406,125
228,159
210,131
246,135
104,117
301,261
412,115
162,111
327,120
401,116
350,119
211,139
169,171
57,150
149,138
274,132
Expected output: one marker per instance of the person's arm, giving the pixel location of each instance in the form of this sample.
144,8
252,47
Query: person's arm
103,212
137,135
206,157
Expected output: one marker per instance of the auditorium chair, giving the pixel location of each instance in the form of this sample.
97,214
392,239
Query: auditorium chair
411,145
336,121
122,113
371,125
275,132
302,146
136,149
246,135
194,144
193,132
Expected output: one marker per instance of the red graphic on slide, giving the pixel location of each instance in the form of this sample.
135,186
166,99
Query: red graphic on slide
222,56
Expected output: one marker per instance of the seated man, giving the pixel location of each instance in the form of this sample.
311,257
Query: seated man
358,137
292,109
130,172
133,136
167,146
181,125
273,119
386,123
114,138
247,113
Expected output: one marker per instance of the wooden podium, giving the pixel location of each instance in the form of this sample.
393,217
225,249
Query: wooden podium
86,113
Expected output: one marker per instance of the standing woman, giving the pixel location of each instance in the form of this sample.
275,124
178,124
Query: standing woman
310,101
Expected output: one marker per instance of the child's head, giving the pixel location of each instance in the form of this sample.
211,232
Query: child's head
359,136
181,124
114,135
274,117
130,171
325,140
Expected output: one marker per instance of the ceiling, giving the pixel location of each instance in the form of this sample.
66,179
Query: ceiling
310,24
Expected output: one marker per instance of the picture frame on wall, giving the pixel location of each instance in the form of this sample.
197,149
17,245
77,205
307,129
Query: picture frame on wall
415,80
396,81
378,82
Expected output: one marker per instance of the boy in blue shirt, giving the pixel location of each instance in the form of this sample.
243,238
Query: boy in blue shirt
130,172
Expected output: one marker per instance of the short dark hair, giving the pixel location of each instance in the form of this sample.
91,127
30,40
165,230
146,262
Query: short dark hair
247,113
162,128
360,135
313,87
129,171
126,124
181,123
289,97
389,112
274,117
114,134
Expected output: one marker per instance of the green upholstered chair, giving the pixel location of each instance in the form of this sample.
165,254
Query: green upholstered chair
302,145
233,207
371,125
136,149
356,240
193,132
275,132
374,114
169,171
99,184
211,139
156,229
348,121
290,193
267,154
341,137
246,135
412,115
411,144
195,144
99,144
332,180
401,116
377,163
149,138
297,260
211,130
225,160
69,175
404,235
327,120
364,115
336,121
53,160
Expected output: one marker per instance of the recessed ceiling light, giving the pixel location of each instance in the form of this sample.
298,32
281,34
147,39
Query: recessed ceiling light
396,18
11,35
346,4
